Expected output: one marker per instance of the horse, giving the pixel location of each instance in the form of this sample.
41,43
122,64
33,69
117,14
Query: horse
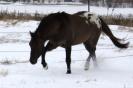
65,30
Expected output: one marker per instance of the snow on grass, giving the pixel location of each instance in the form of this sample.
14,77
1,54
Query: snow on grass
114,65
3,72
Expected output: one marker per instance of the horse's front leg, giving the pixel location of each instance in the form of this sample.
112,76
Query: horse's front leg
44,64
50,46
68,59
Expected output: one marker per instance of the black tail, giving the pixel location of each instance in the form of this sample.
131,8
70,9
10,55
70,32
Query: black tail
108,32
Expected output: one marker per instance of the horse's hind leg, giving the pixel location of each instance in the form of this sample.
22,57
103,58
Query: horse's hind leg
91,49
87,63
68,59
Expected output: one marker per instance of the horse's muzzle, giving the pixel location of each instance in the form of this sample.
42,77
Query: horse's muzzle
33,62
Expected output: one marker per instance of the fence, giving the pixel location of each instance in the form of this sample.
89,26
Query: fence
76,50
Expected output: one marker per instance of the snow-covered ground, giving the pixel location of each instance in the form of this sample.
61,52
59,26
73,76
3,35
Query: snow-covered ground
115,66
114,70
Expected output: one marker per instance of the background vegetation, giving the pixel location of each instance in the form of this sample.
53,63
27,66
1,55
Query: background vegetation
112,20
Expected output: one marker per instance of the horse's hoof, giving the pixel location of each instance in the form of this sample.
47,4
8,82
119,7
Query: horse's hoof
86,66
68,72
46,67
86,69
95,64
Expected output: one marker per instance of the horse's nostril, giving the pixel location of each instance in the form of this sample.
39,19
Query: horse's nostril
33,62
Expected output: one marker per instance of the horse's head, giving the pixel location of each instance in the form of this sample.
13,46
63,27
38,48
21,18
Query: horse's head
48,28
36,45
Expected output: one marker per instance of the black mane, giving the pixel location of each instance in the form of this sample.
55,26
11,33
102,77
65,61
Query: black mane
46,20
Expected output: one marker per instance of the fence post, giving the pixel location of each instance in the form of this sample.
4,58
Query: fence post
88,5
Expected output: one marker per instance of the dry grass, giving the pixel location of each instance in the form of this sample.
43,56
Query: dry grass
119,20
114,20
6,62
6,15
11,61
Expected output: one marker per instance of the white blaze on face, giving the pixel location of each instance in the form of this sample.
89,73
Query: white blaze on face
93,18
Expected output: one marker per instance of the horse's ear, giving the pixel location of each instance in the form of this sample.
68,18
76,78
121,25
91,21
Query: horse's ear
31,34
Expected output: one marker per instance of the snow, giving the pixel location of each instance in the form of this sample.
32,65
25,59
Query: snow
46,9
114,65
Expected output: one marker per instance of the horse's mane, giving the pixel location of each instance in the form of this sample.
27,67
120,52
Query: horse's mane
55,16
62,17
79,13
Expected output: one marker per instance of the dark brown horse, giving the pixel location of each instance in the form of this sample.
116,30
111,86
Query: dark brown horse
65,30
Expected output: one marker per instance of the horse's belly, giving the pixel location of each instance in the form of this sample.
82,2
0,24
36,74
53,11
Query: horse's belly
80,39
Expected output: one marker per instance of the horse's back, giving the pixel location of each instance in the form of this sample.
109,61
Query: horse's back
81,30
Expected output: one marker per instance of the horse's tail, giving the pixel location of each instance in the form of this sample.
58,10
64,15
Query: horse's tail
108,32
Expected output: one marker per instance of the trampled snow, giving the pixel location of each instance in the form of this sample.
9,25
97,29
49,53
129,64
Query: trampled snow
115,66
